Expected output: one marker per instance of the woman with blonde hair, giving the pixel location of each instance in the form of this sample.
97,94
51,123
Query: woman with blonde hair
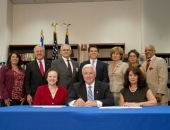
116,72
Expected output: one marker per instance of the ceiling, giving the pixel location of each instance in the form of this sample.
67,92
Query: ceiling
56,1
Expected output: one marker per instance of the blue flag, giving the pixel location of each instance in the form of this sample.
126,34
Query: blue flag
67,38
55,47
41,39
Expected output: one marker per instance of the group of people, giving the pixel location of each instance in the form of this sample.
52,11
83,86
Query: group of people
94,83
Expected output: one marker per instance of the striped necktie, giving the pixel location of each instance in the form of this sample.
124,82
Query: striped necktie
90,94
93,63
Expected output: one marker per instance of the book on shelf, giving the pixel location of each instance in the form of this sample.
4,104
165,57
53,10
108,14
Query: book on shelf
27,57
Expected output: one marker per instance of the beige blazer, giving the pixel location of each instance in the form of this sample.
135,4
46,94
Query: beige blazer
116,78
157,77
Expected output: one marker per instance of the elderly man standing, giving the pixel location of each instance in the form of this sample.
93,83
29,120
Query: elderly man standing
35,71
90,92
157,75
68,68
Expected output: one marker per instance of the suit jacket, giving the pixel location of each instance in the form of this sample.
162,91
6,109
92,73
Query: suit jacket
101,93
65,78
33,77
101,71
117,77
157,77
7,81
43,96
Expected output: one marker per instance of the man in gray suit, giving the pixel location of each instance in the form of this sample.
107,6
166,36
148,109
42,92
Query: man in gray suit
68,68
157,75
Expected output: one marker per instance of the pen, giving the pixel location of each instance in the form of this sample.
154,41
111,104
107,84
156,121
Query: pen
79,96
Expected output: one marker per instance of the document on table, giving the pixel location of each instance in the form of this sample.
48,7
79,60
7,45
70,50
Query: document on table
118,107
48,106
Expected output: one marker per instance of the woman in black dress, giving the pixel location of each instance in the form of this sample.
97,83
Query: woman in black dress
135,91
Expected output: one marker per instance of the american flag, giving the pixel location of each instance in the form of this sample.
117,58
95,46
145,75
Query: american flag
55,47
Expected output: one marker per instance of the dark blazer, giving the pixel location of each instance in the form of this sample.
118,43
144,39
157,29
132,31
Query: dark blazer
7,81
101,71
33,76
101,93
66,79
44,97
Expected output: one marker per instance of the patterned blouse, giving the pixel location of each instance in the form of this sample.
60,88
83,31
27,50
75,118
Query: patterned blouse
17,91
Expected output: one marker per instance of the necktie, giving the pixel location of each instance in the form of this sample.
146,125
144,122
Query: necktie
93,63
69,67
90,95
147,65
41,68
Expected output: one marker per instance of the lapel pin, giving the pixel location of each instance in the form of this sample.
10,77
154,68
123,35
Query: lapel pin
97,92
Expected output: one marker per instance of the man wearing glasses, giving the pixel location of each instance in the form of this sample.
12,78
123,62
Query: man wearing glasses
68,68
157,75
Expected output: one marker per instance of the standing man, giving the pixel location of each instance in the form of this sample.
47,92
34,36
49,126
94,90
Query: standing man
157,75
90,92
101,67
35,71
68,68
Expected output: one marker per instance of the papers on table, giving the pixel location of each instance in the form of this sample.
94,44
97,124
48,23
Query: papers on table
46,106
118,107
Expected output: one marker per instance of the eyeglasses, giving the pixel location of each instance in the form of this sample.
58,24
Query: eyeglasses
133,56
148,50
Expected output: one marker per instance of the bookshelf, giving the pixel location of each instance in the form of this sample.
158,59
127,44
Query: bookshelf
104,50
28,49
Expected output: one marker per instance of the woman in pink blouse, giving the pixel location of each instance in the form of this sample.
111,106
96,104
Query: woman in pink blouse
12,81
52,93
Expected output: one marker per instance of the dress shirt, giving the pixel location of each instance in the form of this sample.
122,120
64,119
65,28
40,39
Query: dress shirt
99,103
43,63
66,62
95,63
151,58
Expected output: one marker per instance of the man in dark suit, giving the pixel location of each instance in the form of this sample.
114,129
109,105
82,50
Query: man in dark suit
35,73
101,67
90,92
68,68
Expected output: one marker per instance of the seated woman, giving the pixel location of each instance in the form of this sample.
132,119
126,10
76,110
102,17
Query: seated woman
135,91
133,57
50,94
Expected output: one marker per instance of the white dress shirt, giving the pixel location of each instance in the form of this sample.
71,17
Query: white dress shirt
43,63
95,62
66,62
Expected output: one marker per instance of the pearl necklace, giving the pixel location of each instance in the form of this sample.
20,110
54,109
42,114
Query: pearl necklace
132,90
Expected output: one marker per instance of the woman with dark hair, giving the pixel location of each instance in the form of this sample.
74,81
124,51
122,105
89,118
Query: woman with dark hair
135,91
133,56
50,94
12,81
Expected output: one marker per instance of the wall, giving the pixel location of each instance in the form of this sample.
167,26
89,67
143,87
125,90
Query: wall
98,22
6,21
156,24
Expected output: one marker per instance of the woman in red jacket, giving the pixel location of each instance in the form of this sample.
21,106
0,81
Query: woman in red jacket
12,81
52,93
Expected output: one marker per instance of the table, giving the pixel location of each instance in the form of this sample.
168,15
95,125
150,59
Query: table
84,118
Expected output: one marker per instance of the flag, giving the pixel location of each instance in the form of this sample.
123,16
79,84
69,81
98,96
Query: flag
41,39
67,38
55,47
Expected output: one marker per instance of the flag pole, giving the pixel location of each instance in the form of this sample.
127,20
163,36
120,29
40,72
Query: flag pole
67,34
55,46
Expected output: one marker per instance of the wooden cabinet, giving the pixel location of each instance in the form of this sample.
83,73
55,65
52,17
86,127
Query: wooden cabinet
27,50
104,50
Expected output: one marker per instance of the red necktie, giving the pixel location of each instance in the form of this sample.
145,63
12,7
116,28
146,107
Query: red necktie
147,65
69,67
41,68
